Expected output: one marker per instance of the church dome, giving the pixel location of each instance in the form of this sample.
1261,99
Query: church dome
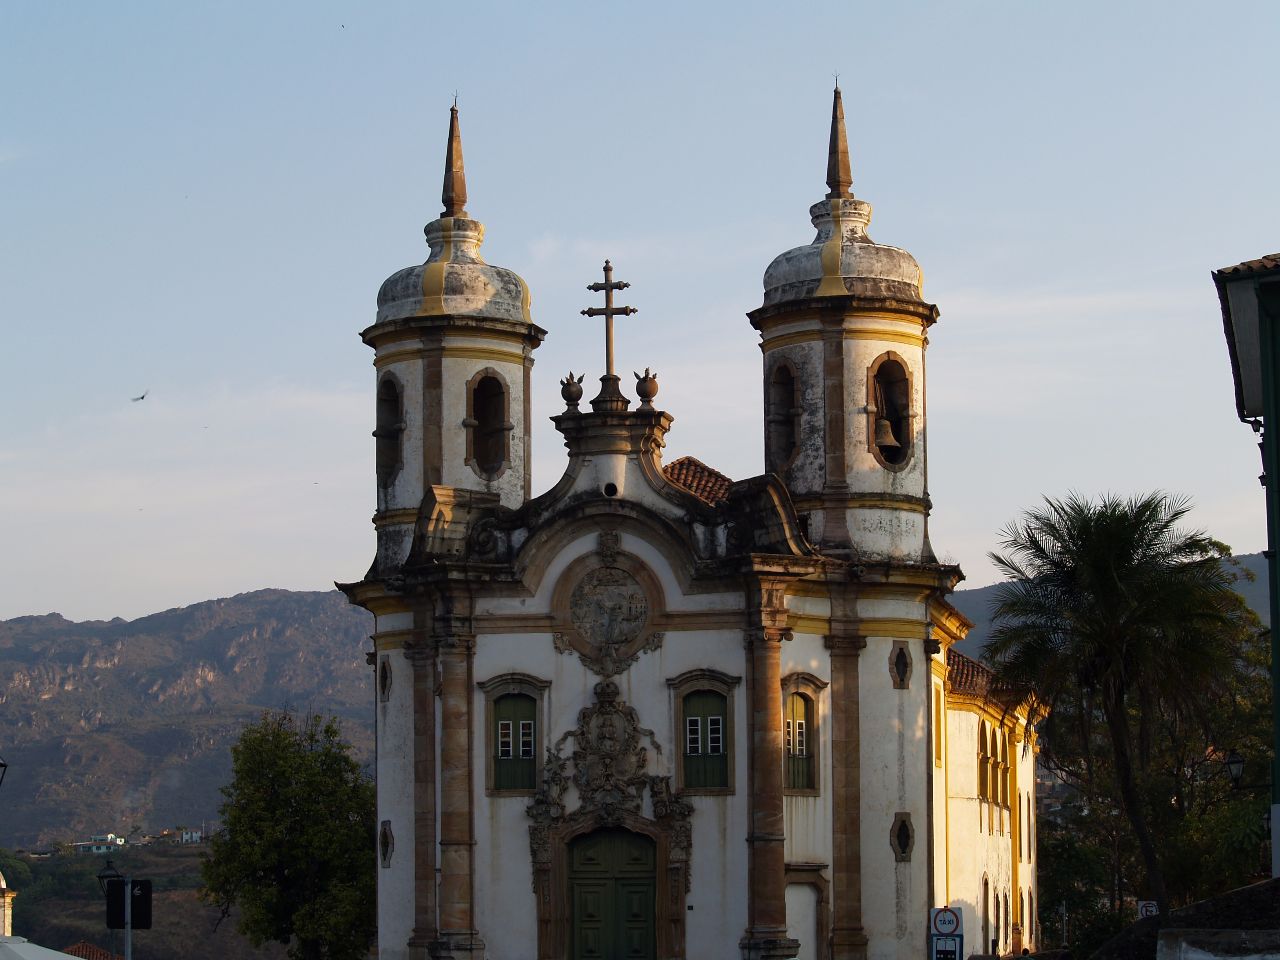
455,280
842,259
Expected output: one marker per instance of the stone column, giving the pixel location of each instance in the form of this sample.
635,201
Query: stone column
766,934
459,937
423,660
848,940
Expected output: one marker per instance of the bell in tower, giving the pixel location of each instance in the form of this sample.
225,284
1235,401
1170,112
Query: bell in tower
843,329
453,345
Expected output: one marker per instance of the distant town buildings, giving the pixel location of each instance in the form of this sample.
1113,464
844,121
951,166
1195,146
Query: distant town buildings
100,844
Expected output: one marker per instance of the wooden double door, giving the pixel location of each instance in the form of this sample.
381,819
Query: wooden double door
611,890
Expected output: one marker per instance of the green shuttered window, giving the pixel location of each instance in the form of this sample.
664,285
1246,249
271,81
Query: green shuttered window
798,729
706,764
513,760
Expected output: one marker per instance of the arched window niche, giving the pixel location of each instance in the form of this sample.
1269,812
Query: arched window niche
782,418
389,430
982,760
513,722
889,414
488,424
703,701
802,734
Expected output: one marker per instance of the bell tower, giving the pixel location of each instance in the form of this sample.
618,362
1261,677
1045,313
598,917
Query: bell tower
843,331
453,346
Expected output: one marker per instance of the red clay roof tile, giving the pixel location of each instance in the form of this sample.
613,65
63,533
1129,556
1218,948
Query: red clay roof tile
699,479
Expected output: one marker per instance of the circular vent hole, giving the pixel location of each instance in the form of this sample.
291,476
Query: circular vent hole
610,489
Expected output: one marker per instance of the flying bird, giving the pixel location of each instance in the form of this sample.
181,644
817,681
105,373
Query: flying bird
143,397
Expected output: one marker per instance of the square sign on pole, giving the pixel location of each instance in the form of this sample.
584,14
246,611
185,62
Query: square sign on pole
946,933
946,922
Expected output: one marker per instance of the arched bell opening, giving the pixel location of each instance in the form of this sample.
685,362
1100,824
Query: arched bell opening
889,414
782,418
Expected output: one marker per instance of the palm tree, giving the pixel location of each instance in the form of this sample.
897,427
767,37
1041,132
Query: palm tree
1113,612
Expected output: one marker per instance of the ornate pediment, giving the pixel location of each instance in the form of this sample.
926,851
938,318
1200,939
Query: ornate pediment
608,770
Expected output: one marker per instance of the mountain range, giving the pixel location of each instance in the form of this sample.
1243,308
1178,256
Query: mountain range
125,726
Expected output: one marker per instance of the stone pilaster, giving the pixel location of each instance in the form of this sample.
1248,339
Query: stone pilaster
458,936
422,659
848,939
766,935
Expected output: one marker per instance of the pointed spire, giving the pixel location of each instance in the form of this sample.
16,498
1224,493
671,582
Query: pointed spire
454,196
839,179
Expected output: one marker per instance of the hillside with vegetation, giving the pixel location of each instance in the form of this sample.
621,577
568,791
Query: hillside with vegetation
125,726
60,904
976,603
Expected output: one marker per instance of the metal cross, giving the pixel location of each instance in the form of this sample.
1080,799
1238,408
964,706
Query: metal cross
608,311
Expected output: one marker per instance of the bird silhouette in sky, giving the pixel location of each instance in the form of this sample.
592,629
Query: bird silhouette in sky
143,397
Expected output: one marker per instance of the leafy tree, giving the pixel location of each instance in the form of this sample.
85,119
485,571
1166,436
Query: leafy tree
295,853
1126,629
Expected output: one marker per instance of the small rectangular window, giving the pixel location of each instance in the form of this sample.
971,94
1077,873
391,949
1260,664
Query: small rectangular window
693,736
800,745
504,740
715,735
790,748
526,739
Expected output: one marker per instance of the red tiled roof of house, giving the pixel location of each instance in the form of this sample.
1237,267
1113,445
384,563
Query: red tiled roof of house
90,951
699,479
1262,265
967,676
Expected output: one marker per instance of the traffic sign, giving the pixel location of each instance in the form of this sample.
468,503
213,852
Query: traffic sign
945,921
1148,908
947,948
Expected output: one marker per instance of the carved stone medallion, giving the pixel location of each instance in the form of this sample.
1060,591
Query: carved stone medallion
609,607
606,610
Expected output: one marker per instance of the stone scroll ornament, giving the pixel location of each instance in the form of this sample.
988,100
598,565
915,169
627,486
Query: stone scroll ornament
609,762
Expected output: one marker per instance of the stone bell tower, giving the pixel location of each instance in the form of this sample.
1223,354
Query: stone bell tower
843,330
454,350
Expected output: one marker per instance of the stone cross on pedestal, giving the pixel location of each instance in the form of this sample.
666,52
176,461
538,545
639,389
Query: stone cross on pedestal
610,397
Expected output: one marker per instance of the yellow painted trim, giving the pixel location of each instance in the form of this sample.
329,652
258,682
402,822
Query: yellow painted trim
392,640
912,339
433,273
992,713
805,623
808,588
381,606
897,628
396,356
391,518
813,336
832,284
481,353
850,503
946,796
525,300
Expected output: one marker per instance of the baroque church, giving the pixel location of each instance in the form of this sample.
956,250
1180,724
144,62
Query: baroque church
655,712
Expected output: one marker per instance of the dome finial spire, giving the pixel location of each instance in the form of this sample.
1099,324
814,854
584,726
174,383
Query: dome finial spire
839,179
454,195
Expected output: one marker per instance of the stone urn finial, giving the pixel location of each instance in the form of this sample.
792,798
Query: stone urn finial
571,391
646,388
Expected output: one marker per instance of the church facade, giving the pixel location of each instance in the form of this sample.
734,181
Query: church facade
654,712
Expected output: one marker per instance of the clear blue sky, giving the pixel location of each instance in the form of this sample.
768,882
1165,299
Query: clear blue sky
201,200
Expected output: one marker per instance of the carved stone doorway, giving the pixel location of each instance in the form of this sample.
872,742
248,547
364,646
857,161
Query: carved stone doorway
612,887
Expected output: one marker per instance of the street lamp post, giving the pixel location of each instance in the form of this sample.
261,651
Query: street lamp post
106,878
1250,296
